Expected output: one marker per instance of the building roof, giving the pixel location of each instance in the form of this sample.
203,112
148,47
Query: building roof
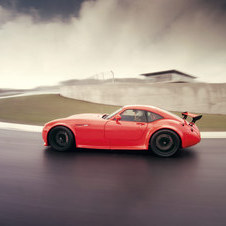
167,72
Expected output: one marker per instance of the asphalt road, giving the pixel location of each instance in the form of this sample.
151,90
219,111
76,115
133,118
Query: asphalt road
39,186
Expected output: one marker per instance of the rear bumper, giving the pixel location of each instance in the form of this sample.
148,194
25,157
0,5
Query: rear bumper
191,138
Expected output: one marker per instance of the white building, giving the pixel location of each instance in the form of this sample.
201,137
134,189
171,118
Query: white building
169,76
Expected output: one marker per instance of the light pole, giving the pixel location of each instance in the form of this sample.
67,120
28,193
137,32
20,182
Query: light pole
113,76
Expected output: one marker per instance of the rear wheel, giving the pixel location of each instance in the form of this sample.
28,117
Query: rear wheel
165,143
61,138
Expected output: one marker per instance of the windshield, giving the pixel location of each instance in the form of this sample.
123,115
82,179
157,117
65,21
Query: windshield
114,113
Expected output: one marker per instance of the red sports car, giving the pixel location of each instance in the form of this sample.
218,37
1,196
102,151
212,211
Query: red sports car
130,127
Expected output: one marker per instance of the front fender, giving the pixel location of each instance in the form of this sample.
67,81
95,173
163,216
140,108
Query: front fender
47,128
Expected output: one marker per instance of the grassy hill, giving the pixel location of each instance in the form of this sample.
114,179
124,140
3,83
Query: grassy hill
38,109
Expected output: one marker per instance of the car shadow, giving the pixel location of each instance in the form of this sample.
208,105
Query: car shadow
183,154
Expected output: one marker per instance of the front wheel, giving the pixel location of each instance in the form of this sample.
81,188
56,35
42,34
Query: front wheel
61,138
165,143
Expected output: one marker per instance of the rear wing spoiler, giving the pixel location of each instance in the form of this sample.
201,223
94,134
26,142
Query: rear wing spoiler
193,116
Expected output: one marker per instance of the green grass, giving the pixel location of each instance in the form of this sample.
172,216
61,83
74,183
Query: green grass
39,109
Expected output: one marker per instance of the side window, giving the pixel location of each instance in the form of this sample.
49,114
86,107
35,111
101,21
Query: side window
153,116
133,115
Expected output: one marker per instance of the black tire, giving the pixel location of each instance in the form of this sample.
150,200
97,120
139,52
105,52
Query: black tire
61,138
165,143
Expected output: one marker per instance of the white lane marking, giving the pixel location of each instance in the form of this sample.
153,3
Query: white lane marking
213,134
29,94
32,128
20,127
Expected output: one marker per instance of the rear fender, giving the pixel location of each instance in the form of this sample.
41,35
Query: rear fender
172,127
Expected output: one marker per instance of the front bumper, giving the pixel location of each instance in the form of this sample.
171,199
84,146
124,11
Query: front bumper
44,136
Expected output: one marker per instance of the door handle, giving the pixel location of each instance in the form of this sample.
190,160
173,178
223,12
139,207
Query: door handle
140,123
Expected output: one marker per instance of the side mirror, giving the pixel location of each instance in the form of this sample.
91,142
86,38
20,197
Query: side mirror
117,117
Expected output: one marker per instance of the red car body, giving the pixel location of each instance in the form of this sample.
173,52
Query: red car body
98,131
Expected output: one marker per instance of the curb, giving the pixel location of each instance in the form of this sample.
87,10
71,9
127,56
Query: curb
20,127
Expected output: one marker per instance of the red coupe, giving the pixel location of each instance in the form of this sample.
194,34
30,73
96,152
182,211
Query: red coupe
130,127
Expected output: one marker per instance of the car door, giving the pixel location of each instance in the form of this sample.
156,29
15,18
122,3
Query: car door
90,134
129,131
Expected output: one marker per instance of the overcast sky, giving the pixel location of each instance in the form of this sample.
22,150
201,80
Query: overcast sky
46,41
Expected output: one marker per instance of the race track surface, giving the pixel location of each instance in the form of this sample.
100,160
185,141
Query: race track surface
39,186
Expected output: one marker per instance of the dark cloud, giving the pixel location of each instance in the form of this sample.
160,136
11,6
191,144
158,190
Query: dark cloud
48,9
126,36
221,4
45,9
